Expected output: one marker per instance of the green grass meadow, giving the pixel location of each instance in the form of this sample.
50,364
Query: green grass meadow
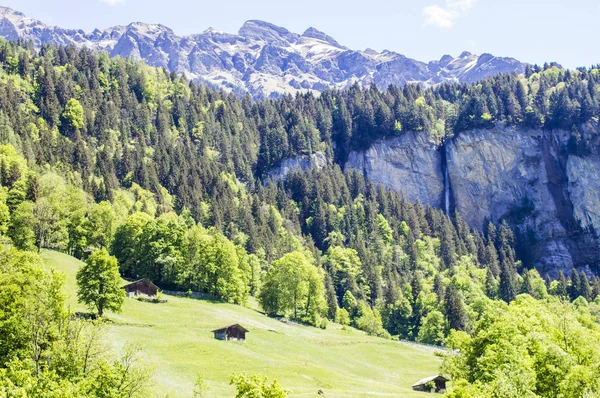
176,340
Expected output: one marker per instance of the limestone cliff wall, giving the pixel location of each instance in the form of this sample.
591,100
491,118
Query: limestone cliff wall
410,164
534,179
528,178
525,176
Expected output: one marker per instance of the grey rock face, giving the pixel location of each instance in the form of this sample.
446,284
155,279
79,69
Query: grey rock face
317,160
410,164
492,171
504,174
262,59
525,177
584,187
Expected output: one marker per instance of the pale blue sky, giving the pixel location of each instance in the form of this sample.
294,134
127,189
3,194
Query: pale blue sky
530,30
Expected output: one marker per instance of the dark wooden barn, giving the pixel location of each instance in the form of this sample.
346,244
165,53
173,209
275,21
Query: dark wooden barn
431,384
234,332
141,287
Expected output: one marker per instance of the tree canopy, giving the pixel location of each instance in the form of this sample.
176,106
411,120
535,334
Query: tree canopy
99,283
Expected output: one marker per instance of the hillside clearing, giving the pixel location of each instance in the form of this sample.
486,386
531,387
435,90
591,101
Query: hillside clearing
176,339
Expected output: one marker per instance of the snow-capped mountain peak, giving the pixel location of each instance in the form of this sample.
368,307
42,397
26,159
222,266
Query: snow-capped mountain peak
262,59
317,34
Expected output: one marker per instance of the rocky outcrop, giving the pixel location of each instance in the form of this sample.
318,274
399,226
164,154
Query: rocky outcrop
410,164
500,173
584,188
520,176
317,160
526,177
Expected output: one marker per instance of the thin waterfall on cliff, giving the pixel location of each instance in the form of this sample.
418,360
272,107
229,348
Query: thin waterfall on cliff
446,181
446,191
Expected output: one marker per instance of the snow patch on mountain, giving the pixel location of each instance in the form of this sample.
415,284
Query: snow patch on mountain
262,59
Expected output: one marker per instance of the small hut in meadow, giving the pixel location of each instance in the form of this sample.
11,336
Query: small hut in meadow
435,383
234,332
142,287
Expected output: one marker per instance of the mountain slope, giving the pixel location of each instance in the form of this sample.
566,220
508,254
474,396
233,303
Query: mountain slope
176,339
261,59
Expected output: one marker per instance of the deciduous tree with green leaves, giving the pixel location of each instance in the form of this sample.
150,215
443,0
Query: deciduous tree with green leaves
293,286
99,283
256,386
73,114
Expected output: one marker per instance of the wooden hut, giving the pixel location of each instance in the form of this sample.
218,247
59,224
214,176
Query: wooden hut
435,383
234,332
142,287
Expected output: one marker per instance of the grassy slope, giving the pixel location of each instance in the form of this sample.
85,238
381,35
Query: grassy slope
176,339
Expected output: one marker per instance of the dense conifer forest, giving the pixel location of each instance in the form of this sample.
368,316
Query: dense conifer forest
171,179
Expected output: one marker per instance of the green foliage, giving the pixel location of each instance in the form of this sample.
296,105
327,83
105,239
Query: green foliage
397,126
21,280
102,222
200,387
433,329
256,386
455,309
349,303
173,179
345,266
127,241
124,376
369,320
4,214
73,114
99,283
13,167
384,229
48,225
528,348
293,286
212,265
21,228
157,253
44,351
343,317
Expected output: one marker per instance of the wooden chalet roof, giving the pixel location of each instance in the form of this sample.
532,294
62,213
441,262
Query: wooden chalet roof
140,281
235,325
428,379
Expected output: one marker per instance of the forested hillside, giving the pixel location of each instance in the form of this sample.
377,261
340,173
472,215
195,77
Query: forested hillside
170,177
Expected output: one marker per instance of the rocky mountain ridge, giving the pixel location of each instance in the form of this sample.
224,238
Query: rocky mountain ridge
262,59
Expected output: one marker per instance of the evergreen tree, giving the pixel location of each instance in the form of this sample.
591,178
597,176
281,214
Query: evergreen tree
447,244
562,285
585,289
332,304
575,287
491,285
526,286
508,289
455,309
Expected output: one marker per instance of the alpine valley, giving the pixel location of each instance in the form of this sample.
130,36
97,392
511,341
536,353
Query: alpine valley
366,224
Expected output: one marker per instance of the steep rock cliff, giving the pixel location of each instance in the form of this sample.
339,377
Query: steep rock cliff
523,177
584,180
527,177
410,164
